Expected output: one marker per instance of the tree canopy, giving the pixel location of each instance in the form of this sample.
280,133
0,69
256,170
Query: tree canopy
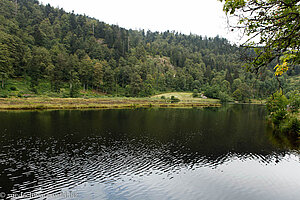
53,52
273,29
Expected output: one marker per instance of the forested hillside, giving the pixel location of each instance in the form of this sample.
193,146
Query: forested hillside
54,52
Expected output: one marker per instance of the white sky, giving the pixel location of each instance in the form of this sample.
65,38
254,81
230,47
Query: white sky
201,17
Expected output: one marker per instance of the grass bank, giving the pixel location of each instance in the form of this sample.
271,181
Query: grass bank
43,103
188,97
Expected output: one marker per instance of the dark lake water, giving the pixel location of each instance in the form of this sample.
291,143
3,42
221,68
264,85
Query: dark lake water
215,153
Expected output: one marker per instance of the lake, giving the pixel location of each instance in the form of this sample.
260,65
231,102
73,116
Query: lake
210,153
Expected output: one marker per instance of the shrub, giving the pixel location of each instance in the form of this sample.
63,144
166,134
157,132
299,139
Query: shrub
13,88
212,92
290,126
294,102
224,97
174,99
237,94
75,90
3,95
278,116
282,117
277,102
163,97
195,93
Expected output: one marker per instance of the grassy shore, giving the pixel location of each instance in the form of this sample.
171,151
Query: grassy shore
43,103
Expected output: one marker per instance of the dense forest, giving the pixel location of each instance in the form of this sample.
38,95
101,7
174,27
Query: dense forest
60,53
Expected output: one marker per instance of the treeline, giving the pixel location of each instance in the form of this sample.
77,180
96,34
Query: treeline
76,52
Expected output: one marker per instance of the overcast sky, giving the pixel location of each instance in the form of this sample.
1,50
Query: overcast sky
201,17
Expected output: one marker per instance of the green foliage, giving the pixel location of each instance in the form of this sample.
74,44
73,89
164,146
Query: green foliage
6,57
277,25
224,97
147,90
242,93
56,53
212,91
277,103
195,93
294,101
237,94
3,95
38,64
283,118
13,88
289,126
174,99
75,88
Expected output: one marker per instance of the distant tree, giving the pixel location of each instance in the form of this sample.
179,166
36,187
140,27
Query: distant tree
98,75
212,91
224,97
92,54
242,92
43,33
225,86
237,94
61,71
228,77
108,85
236,84
195,93
196,85
236,74
136,84
5,59
40,61
207,74
147,90
75,89
86,71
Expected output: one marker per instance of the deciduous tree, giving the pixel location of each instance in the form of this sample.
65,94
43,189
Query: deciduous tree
277,26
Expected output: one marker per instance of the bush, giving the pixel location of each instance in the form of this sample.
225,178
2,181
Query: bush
224,97
146,91
174,99
237,94
290,126
75,90
13,88
294,102
212,92
283,118
195,93
163,97
3,96
34,89
278,116
277,102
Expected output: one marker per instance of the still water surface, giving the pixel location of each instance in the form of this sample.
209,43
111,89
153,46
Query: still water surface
214,153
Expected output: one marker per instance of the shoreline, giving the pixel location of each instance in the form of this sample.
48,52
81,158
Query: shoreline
41,103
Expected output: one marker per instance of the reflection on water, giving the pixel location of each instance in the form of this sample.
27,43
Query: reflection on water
219,153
